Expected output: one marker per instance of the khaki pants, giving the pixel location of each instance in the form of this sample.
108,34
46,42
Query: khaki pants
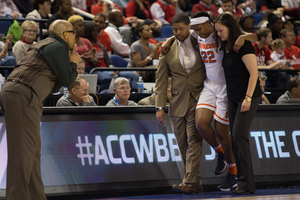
22,111
189,142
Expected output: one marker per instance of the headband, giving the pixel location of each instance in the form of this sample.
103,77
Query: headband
199,20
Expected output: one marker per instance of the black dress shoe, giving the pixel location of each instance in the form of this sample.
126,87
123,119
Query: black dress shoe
240,191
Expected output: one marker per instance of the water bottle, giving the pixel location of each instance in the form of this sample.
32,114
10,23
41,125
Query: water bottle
140,85
2,80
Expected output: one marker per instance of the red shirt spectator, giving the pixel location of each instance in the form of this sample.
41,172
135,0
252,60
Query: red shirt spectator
292,54
104,39
262,55
134,9
205,5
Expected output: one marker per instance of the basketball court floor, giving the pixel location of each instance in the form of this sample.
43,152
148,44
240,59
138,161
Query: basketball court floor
260,194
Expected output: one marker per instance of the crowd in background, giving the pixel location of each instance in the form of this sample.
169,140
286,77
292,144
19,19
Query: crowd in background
130,29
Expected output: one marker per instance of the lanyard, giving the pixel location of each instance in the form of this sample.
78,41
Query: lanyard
116,101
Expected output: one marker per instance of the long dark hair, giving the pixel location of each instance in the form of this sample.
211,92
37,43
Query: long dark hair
234,31
88,30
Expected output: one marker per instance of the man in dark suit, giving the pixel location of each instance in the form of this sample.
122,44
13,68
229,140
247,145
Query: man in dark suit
186,69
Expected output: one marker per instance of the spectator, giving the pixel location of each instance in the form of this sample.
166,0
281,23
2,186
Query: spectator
247,23
122,93
248,6
29,31
289,23
119,47
275,24
269,4
229,6
139,9
91,33
42,9
9,9
80,4
164,10
84,47
64,11
293,91
81,67
24,6
262,51
262,83
278,53
291,52
103,37
143,52
78,95
205,5
156,30
6,56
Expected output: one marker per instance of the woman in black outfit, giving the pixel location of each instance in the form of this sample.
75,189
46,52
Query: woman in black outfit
244,95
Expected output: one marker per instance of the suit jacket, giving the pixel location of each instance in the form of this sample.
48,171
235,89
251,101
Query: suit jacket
183,85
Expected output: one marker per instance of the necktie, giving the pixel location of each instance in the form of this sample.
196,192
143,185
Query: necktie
186,58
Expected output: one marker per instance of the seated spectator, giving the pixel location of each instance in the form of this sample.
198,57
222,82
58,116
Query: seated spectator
143,52
262,84
141,10
118,46
81,67
29,31
205,5
24,6
291,52
269,4
103,37
6,56
122,93
84,47
278,53
80,4
156,30
275,25
229,6
42,9
293,91
164,10
91,33
78,95
289,24
9,10
64,11
247,23
262,51
105,7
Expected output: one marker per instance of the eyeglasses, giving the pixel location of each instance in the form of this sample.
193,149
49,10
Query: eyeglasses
73,31
123,88
31,31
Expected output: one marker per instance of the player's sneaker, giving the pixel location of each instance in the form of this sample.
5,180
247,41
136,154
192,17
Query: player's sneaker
221,164
229,184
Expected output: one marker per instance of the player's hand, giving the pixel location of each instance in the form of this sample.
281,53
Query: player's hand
238,43
245,106
161,117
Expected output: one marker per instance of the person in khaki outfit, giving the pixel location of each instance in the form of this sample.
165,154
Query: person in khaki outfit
186,69
47,66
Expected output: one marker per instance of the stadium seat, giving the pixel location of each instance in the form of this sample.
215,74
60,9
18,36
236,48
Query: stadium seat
166,31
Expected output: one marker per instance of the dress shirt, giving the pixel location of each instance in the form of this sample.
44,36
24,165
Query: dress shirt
190,49
117,44
158,13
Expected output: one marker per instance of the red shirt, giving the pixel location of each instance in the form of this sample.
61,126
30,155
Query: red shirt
262,55
199,7
131,10
99,9
292,54
168,10
104,39
100,56
238,12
